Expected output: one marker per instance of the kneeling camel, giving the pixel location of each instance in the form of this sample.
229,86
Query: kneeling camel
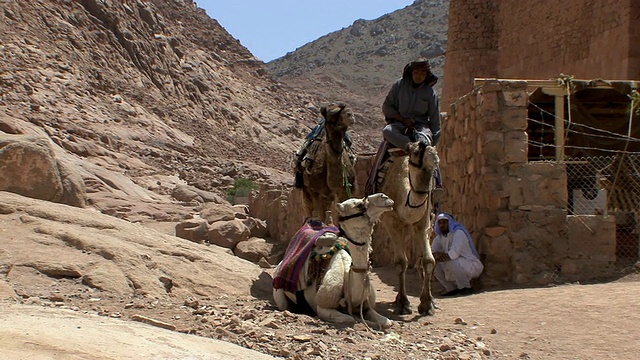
344,282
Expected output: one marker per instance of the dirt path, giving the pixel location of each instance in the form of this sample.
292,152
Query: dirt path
600,321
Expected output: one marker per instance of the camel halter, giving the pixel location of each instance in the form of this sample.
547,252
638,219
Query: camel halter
342,233
420,192
349,217
366,271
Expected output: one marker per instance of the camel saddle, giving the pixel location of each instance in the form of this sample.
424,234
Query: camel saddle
380,164
291,274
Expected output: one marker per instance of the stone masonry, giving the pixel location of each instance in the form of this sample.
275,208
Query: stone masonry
540,40
515,209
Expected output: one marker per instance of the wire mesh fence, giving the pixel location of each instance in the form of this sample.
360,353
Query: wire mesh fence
610,186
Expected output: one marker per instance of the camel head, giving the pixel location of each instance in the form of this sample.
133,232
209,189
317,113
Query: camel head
423,156
358,216
338,117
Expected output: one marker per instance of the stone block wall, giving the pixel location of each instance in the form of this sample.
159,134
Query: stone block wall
282,208
515,209
540,40
471,46
586,39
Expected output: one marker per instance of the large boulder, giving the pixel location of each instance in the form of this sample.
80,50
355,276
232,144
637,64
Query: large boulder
29,167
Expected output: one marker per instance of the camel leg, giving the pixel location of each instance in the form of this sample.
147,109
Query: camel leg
376,321
280,299
426,306
320,206
334,316
401,305
371,316
308,202
330,293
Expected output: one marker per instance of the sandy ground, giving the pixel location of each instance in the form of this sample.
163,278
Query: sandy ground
33,332
574,321
599,321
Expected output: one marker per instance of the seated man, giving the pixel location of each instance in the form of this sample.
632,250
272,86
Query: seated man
411,110
457,261
412,104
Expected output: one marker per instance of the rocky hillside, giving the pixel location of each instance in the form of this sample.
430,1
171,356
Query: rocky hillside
357,64
140,88
158,93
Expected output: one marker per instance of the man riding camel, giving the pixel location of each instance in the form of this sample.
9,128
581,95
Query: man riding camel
412,112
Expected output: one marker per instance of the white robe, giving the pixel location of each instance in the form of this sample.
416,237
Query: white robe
463,266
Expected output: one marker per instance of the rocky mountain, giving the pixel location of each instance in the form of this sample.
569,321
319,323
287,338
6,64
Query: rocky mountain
141,88
159,93
359,63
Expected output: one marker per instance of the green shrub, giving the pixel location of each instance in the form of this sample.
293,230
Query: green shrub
241,188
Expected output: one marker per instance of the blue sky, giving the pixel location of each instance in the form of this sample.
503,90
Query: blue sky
271,28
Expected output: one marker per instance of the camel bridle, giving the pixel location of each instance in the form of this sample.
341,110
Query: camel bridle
349,217
418,165
366,272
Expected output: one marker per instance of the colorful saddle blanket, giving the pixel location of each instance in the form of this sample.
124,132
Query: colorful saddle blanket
288,274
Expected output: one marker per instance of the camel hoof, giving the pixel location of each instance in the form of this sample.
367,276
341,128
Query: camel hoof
427,309
345,321
402,309
386,325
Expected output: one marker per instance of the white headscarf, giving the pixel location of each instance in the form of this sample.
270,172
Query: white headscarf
453,226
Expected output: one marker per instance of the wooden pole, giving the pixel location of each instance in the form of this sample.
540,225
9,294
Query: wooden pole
559,93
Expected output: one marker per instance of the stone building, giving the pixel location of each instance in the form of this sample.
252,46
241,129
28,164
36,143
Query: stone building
518,155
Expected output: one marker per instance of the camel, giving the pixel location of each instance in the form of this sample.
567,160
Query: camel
331,177
342,280
408,181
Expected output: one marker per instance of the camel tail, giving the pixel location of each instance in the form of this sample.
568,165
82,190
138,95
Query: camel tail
299,180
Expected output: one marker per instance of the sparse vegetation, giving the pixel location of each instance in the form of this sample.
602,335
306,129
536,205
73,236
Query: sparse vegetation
241,188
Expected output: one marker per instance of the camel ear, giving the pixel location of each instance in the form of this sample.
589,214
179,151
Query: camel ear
340,207
323,111
365,202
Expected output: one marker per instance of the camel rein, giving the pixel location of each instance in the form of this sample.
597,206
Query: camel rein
365,271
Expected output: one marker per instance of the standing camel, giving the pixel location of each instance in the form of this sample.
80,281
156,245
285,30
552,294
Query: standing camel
408,182
331,177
